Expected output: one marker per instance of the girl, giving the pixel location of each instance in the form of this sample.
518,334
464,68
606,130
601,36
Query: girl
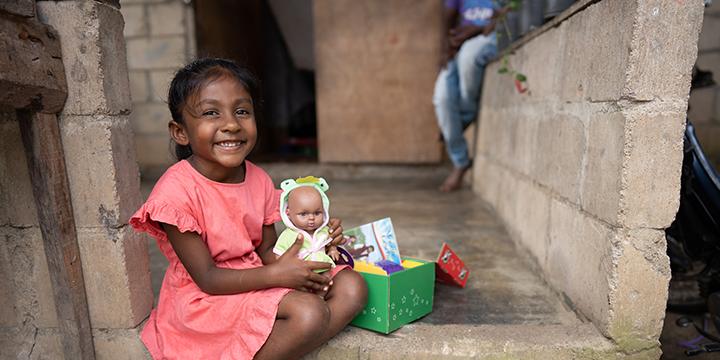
225,294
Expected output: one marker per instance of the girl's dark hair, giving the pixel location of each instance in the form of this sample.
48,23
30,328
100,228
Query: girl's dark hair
190,79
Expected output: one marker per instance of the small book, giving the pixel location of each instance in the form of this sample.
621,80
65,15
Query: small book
373,242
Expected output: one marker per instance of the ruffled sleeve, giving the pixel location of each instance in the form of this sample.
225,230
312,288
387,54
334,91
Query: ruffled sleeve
153,212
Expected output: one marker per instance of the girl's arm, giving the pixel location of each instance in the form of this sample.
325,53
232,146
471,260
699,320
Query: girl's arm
265,250
288,271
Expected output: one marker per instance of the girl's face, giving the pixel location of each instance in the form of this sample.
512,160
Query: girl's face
220,128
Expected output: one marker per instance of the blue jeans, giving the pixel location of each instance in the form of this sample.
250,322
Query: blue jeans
457,94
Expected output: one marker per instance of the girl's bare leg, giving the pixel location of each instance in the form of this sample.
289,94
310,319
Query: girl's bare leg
301,319
346,298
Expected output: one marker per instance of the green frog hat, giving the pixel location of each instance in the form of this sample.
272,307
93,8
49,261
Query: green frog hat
321,186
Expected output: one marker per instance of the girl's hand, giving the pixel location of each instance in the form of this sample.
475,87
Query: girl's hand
291,272
336,230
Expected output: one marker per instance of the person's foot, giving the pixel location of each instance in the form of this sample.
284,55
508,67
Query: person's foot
454,180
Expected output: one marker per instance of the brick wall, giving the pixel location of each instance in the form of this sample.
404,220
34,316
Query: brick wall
160,38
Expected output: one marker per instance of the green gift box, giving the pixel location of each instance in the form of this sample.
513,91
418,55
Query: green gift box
397,299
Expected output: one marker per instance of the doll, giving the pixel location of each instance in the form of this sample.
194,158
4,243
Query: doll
304,209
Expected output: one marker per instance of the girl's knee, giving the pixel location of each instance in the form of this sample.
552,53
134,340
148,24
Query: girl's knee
310,314
352,288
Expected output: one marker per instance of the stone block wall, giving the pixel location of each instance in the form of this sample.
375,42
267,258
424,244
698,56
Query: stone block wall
705,103
584,168
160,36
376,62
103,175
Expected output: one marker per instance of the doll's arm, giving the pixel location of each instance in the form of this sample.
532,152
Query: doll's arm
333,252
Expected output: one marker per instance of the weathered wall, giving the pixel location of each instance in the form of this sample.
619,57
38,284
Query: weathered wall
160,36
376,63
705,103
585,168
104,184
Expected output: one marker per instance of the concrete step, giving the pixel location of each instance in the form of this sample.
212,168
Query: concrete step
428,341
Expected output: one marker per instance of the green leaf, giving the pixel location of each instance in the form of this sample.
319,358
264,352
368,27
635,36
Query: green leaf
520,77
502,70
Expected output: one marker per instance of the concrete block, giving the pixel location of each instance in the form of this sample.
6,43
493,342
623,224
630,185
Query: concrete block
579,261
597,51
166,18
139,87
639,292
487,179
136,23
601,183
24,8
653,145
160,53
543,61
94,54
26,268
663,49
152,152
702,104
532,219
17,204
160,84
117,276
102,170
151,119
709,39
405,69
120,344
559,154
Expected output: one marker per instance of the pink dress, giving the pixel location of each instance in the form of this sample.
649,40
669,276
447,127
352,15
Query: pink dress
188,323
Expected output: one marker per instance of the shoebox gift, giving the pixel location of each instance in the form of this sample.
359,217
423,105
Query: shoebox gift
400,289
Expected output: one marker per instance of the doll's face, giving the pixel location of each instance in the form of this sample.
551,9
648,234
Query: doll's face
305,208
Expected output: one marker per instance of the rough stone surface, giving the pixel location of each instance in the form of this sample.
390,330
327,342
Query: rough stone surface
355,39
17,204
44,343
638,299
600,194
24,8
26,267
103,174
558,155
584,245
597,72
654,143
31,72
649,73
117,280
97,71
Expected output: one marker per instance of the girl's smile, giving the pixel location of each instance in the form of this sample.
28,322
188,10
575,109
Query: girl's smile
220,129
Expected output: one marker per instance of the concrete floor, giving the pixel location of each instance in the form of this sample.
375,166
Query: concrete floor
505,310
